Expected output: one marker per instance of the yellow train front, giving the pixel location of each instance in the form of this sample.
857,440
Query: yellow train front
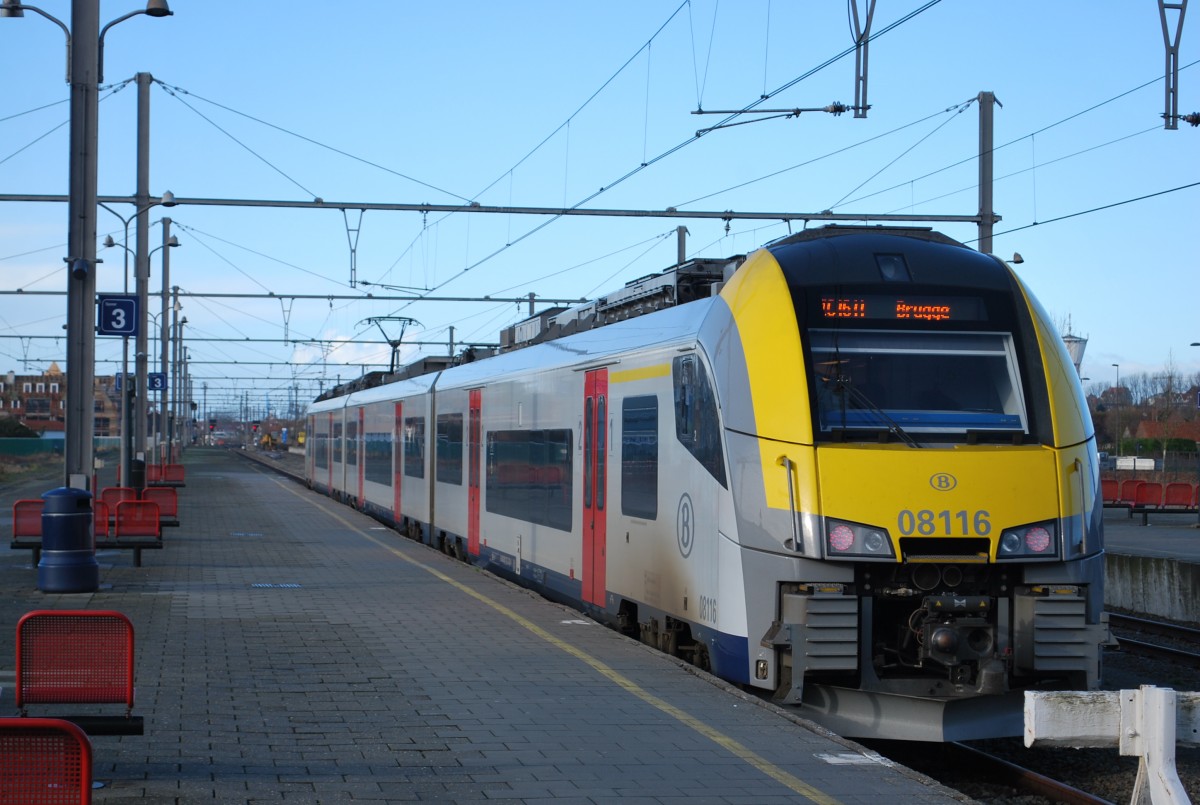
916,470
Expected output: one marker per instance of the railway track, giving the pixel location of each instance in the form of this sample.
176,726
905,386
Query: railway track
1174,643
986,775
1004,771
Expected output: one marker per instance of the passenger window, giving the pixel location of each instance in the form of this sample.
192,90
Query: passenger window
697,419
601,449
414,447
587,453
639,457
450,449
528,476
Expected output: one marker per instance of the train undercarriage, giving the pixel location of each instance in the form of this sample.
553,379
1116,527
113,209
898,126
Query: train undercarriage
941,649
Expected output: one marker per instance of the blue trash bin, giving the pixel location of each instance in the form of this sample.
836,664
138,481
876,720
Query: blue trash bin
68,563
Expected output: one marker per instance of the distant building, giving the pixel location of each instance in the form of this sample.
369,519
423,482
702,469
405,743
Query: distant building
1174,428
40,401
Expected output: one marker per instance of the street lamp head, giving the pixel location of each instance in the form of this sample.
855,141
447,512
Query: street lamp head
173,241
11,8
168,199
109,242
79,268
158,8
1017,258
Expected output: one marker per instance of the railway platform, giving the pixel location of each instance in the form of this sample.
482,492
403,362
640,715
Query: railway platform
290,649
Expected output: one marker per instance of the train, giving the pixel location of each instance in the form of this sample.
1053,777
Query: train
853,471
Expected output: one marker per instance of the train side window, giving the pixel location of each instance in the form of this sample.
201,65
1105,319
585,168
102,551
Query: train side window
450,449
697,421
639,457
528,476
378,448
587,453
320,450
337,442
414,446
601,449
352,443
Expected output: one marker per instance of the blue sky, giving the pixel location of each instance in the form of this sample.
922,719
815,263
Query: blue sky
541,104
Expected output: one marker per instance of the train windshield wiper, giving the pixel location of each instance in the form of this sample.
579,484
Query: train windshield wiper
847,389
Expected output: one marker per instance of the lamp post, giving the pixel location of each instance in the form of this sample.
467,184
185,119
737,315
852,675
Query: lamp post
169,240
83,72
177,386
172,384
1197,344
127,432
1118,368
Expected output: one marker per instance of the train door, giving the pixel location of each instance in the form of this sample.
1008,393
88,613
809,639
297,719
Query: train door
474,439
397,459
595,453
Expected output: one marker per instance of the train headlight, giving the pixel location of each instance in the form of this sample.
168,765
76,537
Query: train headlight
846,539
1034,541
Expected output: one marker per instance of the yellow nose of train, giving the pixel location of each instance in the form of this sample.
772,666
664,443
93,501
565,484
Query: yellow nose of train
962,504
931,412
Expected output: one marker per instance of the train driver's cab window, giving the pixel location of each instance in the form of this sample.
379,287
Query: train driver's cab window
948,383
697,422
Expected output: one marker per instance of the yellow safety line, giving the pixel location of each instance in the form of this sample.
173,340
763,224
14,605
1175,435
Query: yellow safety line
733,746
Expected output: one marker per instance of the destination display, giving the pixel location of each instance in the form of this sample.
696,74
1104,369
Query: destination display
901,307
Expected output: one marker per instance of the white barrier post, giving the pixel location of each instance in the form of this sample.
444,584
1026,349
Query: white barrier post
1147,723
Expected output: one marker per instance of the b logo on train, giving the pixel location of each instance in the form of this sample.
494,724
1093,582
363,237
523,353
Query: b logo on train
858,465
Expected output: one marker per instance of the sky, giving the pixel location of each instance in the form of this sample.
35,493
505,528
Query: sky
563,104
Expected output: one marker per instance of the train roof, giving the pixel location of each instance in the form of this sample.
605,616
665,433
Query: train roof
680,296
669,326
866,254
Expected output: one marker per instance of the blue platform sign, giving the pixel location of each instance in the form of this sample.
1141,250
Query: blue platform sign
117,315
156,381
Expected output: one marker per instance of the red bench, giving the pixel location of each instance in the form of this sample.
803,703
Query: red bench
27,527
1149,499
1180,496
128,529
44,761
170,475
112,495
1110,491
1128,494
168,504
101,520
136,528
78,657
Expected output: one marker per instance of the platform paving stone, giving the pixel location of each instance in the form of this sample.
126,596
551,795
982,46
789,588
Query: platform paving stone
291,650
